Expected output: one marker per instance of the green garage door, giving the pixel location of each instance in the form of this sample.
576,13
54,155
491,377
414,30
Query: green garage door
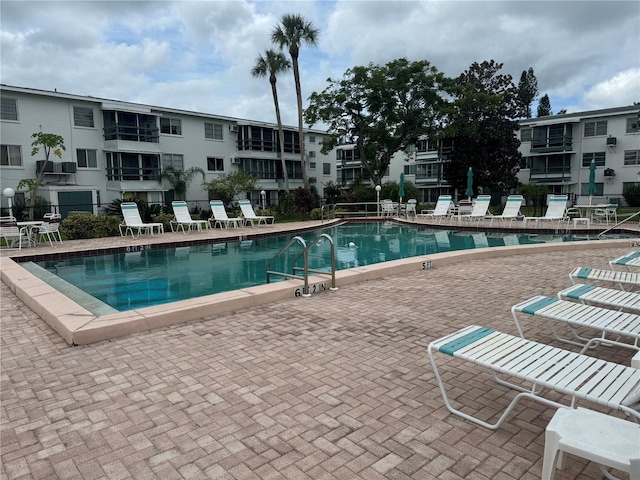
74,202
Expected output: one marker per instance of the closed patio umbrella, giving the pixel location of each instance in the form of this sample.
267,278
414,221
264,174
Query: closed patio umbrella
469,192
401,189
592,180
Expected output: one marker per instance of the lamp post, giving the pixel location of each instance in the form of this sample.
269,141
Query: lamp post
378,188
9,193
263,195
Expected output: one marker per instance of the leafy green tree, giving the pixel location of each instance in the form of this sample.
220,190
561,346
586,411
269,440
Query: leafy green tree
332,192
272,63
527,90
303,200
50,143
481,126
228,186
181,179
544,107
293,31
379,109
535,195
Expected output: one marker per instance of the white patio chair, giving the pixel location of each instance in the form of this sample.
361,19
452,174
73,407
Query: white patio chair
183,218
220,218
133,222
511,210
50,228
250,215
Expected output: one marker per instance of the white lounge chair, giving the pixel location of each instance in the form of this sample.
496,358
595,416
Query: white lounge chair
556,211
479,210
629,279
631,259
133,222
511,210
543,367
12,234
607,297
220,218
183,218
440,211
50,228
250,215
609,323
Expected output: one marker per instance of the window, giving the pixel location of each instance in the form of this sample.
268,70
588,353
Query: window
312,180
312,139
171,126
83,117
599,158
526,134
87,158
584,189
215,164
173,160
11,155
312,165
213,131
632,157
410,169
592,129
326,169
8,108
633,124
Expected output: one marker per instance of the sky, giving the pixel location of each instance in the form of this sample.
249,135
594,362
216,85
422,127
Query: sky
197,55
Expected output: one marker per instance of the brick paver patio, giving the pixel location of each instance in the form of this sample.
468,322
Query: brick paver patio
333,386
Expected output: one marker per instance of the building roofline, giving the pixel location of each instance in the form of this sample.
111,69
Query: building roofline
577,116
152,108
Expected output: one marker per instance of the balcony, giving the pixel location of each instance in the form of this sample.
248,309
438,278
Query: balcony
131,134
119,174
550,174
559,143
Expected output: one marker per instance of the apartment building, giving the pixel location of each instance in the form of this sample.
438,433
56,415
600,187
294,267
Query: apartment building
558,150
117,150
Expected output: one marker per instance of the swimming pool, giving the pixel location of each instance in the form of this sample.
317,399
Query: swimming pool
133,280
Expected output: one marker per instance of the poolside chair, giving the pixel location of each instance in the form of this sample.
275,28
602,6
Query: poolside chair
628,279
607,297
133,222
556,211
219,216
12,234
511,210
50,228
250,216
631,259
440,211
479,210
183,218
410,209
543,367
606,214
607,322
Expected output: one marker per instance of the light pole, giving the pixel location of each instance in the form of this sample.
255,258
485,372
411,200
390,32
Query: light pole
263,195
9,193
378,188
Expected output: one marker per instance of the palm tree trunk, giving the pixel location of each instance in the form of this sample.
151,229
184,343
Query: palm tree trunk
274,90
296,76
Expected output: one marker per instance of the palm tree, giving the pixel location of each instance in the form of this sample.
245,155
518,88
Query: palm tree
272,63
180,179
292,31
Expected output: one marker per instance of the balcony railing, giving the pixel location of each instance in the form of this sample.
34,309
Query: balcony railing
558,174
132,134
556,143
133,173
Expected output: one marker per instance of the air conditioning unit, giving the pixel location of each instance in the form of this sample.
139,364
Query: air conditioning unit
612,140
609,172
233,128
235,161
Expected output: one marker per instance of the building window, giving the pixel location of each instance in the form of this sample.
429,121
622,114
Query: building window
312,180
633,124
87,158
584,189
171,126
312,139
173,160
593,129
215,164
312,165
326,169
599,158
410,169
526,134
213,131
632,157
83,117
11,155
8,108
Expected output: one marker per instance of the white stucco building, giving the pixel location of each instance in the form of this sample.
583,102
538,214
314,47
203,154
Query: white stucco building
117,150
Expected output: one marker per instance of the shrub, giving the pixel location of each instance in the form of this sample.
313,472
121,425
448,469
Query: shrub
316,214
163,218
631,195
82,226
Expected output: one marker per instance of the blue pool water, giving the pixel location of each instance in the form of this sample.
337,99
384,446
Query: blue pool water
151,277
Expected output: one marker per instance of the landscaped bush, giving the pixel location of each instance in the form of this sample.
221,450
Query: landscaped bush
316,214
83,226
632,195
163,218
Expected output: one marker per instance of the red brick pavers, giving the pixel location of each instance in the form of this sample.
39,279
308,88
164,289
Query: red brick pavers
333,386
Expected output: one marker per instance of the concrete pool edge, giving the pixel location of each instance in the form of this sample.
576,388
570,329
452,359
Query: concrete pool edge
78,326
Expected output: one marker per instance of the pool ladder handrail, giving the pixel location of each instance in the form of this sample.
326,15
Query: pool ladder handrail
305,258
604,232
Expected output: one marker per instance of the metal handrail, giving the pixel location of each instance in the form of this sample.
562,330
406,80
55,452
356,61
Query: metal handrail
618,224
333,260
292,275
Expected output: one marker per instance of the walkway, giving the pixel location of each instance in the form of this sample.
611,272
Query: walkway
333,386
